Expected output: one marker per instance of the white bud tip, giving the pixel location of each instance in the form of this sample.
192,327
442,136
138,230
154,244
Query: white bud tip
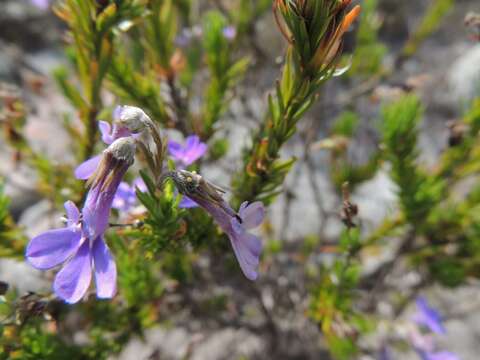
123,149
133,118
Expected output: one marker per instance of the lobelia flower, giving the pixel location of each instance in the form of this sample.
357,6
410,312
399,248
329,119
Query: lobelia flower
127,121
80,246
428,317
125,197
185,155
424,344
41,4
246,246
229,32
441,355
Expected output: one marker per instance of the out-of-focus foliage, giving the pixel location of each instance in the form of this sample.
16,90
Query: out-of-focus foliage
12,241
368,56
428,24
418,193
224,72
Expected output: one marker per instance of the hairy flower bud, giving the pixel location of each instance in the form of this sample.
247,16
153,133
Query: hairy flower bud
123,149
133,118
118,157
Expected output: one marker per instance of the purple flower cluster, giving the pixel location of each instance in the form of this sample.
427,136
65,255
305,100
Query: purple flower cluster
81,246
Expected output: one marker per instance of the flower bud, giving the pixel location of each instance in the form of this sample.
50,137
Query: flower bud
116,159
122,149
133,118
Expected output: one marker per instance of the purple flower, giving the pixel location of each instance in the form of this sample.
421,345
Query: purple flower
128,120
187,154
80,246
229,32
424,344
125,197
441,355
187,203
247,247
428,317
384,354
41,4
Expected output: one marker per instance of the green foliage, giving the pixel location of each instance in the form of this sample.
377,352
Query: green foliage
136,276
429,23
314,34
418,192
339,144
225,73
369,52
448,271
160,30
164,227
332,297
91,29
12,242
136,87
37,344
246,12
346,124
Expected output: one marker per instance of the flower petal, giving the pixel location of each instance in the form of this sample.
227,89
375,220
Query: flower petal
140,184
73,214
236,226
52,248
72,282
119,131
106,131
195,153
191,142
122,198
41,4
117,112
252,215
442,355
187,203
428,316
247,248
87,168
175,149
105,270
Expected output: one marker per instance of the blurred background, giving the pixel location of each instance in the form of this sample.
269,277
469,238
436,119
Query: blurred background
427,47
